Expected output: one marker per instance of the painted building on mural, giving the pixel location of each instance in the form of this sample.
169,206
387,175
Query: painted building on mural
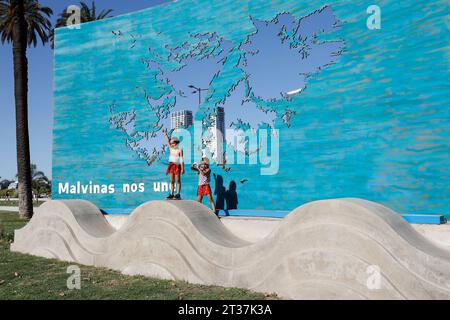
293,102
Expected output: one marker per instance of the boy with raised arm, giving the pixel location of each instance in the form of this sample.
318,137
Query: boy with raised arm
204,178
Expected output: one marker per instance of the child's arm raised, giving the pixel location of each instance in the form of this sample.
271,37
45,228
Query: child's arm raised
194,167
166,135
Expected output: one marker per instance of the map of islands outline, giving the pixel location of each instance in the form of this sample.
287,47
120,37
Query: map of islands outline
256,82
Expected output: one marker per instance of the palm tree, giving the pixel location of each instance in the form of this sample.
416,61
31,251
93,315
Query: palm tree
86,15
22,22
39,181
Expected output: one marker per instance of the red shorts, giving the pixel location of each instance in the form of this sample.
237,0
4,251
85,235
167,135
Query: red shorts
204,190
173,168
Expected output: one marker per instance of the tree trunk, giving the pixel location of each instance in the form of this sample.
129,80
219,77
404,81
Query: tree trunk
19,37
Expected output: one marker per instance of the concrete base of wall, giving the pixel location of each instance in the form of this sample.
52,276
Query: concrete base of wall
330,249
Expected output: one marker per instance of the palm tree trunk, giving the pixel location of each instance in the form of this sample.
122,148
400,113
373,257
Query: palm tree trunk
19,36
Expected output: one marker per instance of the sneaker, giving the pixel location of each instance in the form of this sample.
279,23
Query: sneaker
169,197
177,196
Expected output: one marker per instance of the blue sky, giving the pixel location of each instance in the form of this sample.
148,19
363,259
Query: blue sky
40,92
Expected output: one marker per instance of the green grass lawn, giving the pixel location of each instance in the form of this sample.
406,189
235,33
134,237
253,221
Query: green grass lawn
15,203
24,276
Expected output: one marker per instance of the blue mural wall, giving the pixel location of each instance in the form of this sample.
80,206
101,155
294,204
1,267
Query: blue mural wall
370,117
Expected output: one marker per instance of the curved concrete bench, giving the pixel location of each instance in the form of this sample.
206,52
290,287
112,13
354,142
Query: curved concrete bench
70,230
325,249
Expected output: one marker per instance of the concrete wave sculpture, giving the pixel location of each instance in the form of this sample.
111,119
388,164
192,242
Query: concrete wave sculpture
330,249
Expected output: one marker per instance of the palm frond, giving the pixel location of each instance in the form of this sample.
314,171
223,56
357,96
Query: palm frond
104,14
36,17
93,11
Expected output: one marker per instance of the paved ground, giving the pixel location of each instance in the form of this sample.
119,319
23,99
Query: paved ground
13,209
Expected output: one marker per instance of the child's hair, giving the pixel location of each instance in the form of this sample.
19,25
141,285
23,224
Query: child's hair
206,160
175,140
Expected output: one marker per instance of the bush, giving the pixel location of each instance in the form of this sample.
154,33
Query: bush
5,193
9,236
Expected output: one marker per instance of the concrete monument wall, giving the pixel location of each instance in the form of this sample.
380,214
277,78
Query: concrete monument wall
359,111
329,249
